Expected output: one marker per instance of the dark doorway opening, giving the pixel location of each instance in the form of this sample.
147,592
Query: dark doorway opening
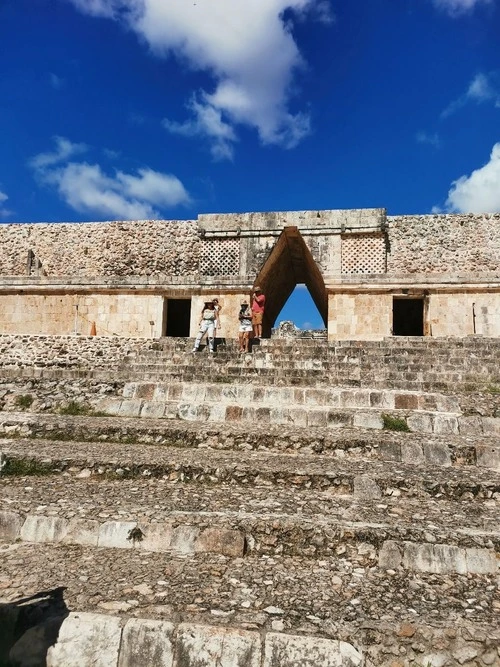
407,317
177,317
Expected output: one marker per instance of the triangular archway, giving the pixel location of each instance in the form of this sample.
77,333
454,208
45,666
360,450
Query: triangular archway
290,263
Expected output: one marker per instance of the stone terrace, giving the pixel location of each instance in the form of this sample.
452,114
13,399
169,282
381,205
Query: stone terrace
302,532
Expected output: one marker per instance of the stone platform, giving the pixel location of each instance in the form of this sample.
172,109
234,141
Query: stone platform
201,542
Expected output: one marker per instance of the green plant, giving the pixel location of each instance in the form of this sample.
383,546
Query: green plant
74,408
24,468
24,401
493,389
394,423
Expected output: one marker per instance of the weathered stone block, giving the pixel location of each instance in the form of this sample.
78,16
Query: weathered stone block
470,425
296,651
156,537
187,411
129,390
390,451
338,419
184,539
147,642
234,413
412,452
217,413
115,534
153,410
221,541
145,391
382,399
10,525
435,558
206,646
488,456
491,425
445,424
366,487
437,453
316,418
38,528
368,420
406,401
86,639
130,408
82,531
420,423
355,399
481,561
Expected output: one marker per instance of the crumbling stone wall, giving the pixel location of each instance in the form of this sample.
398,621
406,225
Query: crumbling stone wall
458,244
138,248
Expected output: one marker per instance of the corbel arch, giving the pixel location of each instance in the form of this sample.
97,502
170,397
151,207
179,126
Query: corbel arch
290,263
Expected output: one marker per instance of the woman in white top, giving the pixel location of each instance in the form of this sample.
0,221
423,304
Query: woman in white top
207,326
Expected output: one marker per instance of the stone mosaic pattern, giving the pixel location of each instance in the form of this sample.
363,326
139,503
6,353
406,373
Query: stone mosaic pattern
220,257
363,253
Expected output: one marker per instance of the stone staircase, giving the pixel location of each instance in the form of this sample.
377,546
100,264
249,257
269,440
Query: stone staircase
259,538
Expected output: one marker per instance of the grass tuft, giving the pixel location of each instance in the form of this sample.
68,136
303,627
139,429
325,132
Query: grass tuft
394,423
24,401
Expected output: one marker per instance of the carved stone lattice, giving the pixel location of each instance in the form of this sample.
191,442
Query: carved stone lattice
364,253
220,257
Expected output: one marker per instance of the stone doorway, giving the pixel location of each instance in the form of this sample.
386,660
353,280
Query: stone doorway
408,317
176,317
290,263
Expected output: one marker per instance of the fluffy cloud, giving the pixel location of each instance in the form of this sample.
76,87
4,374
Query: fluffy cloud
4,212
87,189
479,192
248,49
459,7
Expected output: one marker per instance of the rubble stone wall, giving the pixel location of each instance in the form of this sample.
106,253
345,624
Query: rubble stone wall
468,243
145,247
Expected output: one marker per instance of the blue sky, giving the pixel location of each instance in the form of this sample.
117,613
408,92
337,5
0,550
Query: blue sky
130,109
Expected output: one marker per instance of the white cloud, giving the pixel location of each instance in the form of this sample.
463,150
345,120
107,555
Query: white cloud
87,189
430,139
479,192
4,212
64,150
248,49
459,7
482,88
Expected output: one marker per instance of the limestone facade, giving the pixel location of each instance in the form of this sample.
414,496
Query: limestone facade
369,274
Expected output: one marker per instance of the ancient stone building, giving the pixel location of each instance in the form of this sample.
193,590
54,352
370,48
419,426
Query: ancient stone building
369,274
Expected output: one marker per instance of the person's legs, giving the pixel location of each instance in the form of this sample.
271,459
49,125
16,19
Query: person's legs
241,340
211,336
201,333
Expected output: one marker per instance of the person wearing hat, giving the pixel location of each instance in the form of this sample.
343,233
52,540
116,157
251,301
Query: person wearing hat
258,305
245,327
207,326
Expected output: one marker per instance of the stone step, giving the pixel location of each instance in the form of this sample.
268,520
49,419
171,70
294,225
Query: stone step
385,615
318,407
107,513
345,443
374,478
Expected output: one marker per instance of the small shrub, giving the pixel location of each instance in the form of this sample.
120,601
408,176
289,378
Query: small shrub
394,423
24,468
24,401
493,389
74,408
135,535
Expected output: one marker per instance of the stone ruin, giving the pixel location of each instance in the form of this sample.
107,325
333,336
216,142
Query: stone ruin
315,503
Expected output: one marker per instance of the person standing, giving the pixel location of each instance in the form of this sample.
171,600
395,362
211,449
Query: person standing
245,327
258,305
207,326
218,309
